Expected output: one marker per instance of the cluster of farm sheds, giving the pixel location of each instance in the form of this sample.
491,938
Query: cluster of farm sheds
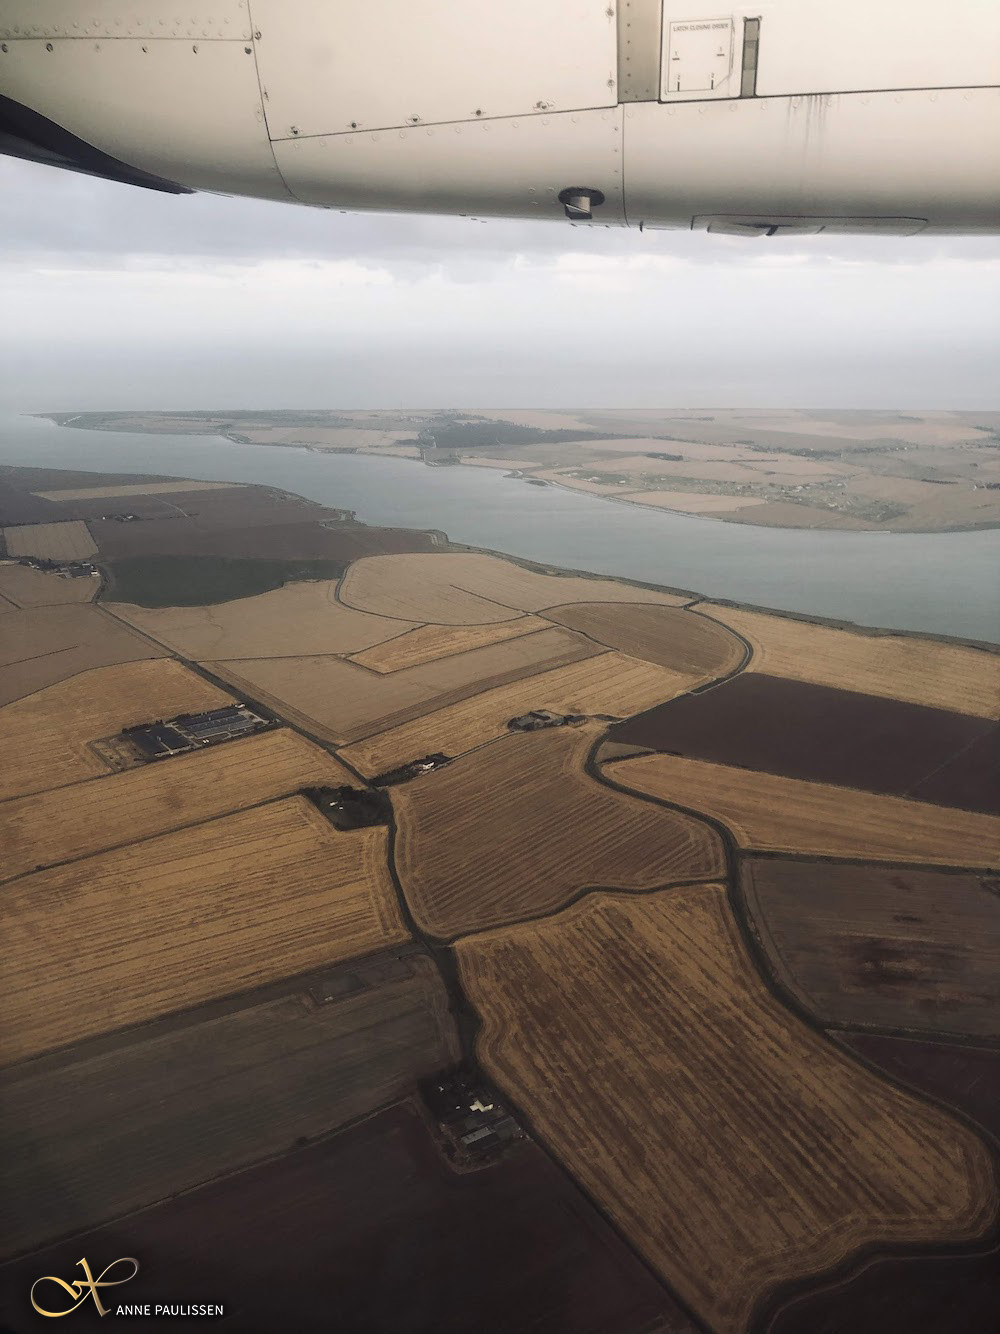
496,1004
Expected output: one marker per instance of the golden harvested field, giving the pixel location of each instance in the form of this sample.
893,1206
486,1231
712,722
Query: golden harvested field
133,489
301,618
734,1146
342,701
26,587
519,829
51,541
609,683
881,947
126,936
451,588
920,671
771,813
669,636
51,827
43,645
430,642
47,735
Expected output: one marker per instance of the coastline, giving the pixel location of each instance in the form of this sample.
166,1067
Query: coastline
513,474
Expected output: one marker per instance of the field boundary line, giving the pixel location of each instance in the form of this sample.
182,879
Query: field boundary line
352,1124
576,899
148,838
110,773
875,863
481,687
977,868
206,1011
457,653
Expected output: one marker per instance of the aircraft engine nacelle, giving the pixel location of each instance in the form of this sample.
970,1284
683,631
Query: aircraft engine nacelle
778,116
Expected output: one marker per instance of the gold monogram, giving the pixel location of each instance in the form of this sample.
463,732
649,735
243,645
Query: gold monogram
86,1287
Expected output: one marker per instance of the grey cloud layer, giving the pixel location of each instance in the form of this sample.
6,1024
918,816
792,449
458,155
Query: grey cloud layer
117,297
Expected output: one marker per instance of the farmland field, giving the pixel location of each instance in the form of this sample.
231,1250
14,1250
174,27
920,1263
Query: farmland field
786,815
238,902
684,1109
250,522
880,947
26,587
954,1073
131,489
429,642
607,684
302,618
73,822
921,1294
518,829
370,1231
44,645
920,671
801,730
200,581
452,588
47,734
343,702
51,541
669,636
105,1128
688,502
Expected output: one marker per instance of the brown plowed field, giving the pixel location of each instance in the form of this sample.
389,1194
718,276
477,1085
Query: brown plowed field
98,1131
962,1076
607,684
669,636
342,702
921,671
242,521
785,815
882,947
519,829
26,587
453,588
369,1232
44,645
637,1035
301,618
51,541
920,1294
46,735
292,541
145,930
73,822
801,730
429,642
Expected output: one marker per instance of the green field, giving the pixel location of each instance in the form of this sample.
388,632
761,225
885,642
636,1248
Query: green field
195,581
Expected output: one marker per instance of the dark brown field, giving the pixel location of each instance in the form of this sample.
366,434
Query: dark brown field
371,1232
962,1076
670,636
18,505
880,947
800,730
915,1295
246,521
116,1124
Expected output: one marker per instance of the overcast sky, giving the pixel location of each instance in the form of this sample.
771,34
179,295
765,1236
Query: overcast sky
115,297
